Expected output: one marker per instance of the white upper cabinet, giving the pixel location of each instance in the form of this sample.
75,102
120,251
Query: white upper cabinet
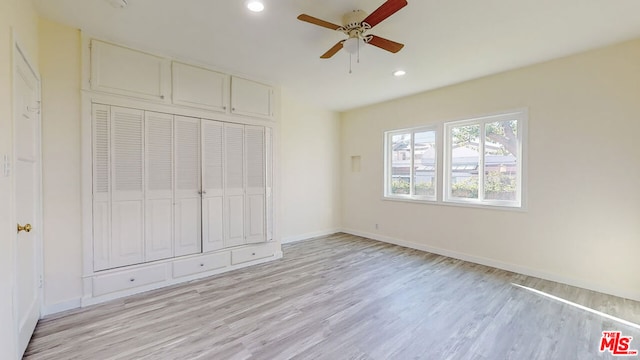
124,71
251,98
198,87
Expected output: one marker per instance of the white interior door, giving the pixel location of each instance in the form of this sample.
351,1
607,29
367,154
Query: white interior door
27,185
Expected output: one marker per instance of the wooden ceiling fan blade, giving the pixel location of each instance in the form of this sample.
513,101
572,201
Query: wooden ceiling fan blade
385,10
337,47
385,44
319,22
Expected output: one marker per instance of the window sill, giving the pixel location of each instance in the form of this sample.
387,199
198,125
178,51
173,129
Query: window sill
456,204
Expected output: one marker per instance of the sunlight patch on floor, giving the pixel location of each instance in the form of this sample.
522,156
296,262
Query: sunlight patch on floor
581,307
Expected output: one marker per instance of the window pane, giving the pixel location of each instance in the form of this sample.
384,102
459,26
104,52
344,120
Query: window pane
465,160
400,163
501,160
424,163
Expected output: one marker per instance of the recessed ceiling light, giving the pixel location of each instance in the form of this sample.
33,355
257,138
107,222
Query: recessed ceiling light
399,73
255,5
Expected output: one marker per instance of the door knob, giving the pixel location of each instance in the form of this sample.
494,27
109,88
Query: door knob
26,228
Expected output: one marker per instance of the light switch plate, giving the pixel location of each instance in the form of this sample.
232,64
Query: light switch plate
6,166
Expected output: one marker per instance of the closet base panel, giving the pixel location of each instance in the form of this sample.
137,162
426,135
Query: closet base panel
113,284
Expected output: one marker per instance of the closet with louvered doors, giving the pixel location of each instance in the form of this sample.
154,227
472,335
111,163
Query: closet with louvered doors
118,186
234,185
167,186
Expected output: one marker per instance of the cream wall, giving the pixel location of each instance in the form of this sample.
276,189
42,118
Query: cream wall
581,226
309,163
20,16
60,69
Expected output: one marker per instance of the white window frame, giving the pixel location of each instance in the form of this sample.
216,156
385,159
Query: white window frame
388,154
521,116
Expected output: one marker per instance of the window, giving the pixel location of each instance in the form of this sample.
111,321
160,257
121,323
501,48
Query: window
411,164
483,160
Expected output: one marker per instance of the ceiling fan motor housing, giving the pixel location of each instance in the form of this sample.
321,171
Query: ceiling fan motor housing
352,20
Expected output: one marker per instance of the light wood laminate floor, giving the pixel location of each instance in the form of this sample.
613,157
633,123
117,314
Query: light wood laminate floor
344,297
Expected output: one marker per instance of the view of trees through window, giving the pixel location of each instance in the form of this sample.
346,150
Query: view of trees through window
481,156
500,174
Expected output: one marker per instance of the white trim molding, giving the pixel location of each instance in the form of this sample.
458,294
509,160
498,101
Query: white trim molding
631,294
308,236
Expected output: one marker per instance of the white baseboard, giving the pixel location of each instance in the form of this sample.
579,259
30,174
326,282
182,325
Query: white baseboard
628,294
60,307
294,238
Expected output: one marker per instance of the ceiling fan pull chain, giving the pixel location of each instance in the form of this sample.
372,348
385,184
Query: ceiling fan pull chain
358,51
350,63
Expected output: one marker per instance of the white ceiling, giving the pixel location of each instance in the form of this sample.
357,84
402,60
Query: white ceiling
446,42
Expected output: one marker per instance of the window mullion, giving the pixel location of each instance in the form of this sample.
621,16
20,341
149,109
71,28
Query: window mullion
390,163
481,162
412,168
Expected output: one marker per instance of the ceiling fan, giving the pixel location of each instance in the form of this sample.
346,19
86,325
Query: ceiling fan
356,24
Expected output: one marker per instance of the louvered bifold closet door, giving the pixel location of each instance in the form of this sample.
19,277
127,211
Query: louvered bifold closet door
187,186
127,176
234,185
159,186
101,187
213,185
256,184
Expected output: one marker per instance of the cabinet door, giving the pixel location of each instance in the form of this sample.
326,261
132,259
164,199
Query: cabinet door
198,87
187,186
119,70
234,185
251,98
255,190
159,186
101,187
127,175
213,185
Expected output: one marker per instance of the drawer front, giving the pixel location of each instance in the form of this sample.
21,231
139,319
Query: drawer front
201,264
251,253
128,279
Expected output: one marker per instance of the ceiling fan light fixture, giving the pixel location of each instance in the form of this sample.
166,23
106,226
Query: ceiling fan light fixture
353,44
399,73
255,5
118,4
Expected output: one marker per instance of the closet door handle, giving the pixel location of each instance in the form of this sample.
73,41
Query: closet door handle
25,228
